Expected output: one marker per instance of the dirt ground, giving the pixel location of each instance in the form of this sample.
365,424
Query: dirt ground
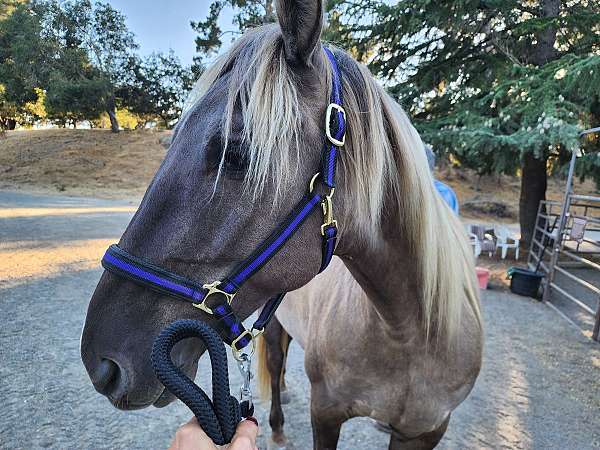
538,388
503,189
80,162
108,165
101,164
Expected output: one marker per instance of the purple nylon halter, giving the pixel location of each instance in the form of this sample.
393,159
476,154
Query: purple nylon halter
233,332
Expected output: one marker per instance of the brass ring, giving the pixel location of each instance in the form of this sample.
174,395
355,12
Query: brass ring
311,185
237,353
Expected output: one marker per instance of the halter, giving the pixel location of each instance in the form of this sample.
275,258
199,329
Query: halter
221,293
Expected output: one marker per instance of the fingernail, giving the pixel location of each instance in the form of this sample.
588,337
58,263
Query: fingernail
253,420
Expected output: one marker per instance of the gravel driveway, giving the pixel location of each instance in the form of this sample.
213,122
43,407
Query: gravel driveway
539,387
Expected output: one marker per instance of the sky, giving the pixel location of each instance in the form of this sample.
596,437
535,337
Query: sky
162,25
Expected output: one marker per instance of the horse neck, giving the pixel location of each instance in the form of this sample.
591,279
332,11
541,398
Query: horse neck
387,274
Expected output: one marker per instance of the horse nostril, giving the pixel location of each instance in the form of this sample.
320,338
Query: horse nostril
105,376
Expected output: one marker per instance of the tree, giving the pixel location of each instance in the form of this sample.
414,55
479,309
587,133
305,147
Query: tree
248,13
73,100
46,44
503,86
8,6
25,62
100,31
156,87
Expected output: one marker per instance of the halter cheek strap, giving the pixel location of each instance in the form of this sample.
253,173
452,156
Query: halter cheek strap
221,293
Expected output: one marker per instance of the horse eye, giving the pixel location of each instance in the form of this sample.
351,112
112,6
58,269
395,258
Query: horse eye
235,161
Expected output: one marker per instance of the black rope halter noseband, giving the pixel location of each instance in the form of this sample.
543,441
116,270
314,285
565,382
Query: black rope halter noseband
221,293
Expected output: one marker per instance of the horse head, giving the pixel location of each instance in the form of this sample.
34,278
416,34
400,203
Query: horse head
241,156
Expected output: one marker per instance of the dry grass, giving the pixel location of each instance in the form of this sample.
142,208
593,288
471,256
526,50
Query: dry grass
80,162
502,189
103,164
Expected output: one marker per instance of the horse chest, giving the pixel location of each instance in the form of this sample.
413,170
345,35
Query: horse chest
353,364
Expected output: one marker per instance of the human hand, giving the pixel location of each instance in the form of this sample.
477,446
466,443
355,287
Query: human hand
191,437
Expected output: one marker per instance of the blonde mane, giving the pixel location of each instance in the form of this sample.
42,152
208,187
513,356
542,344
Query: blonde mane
383,159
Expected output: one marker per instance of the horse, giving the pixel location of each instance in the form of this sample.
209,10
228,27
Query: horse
402,296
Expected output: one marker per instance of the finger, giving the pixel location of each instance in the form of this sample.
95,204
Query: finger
245,436
191,437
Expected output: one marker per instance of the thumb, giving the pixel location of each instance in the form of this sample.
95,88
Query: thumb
191,437
245,436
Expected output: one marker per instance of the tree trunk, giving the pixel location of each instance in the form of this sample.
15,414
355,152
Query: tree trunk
112,115
114,123
544,50
533,175
533,190
9,124
269,13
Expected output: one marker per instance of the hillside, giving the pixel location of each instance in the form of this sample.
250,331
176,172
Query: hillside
80,162
102,164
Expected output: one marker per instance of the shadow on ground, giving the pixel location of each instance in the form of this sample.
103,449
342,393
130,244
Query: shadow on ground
538,388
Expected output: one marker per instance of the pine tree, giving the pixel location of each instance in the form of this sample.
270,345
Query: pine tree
247,13
501,85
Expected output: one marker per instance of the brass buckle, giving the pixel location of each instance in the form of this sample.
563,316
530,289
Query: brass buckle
330,109
237,354
213,289
258,332
328,220
253,335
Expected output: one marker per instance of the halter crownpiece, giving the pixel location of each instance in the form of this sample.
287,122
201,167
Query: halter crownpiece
221,293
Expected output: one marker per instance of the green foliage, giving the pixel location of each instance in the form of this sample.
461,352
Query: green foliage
25,58
486,81
71,100
82,56
99,30
156,87
41,50
97,33
247,14
8,6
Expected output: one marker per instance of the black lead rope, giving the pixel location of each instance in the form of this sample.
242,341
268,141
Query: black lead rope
219,417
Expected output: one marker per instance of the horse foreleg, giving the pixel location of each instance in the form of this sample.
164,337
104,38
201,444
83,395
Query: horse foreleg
327,417
326,429
275,337
425,441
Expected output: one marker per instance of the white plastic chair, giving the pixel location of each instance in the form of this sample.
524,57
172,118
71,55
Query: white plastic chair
480,240
474,243
577,232
505,240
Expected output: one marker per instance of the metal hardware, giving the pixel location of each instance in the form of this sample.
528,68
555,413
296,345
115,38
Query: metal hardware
311,185
244,365
258,332
213,289
328,220
237,353
338,109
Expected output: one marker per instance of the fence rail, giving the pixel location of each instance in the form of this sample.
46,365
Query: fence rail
569,253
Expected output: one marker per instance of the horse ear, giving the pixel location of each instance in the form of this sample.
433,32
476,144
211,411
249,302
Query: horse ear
301,22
